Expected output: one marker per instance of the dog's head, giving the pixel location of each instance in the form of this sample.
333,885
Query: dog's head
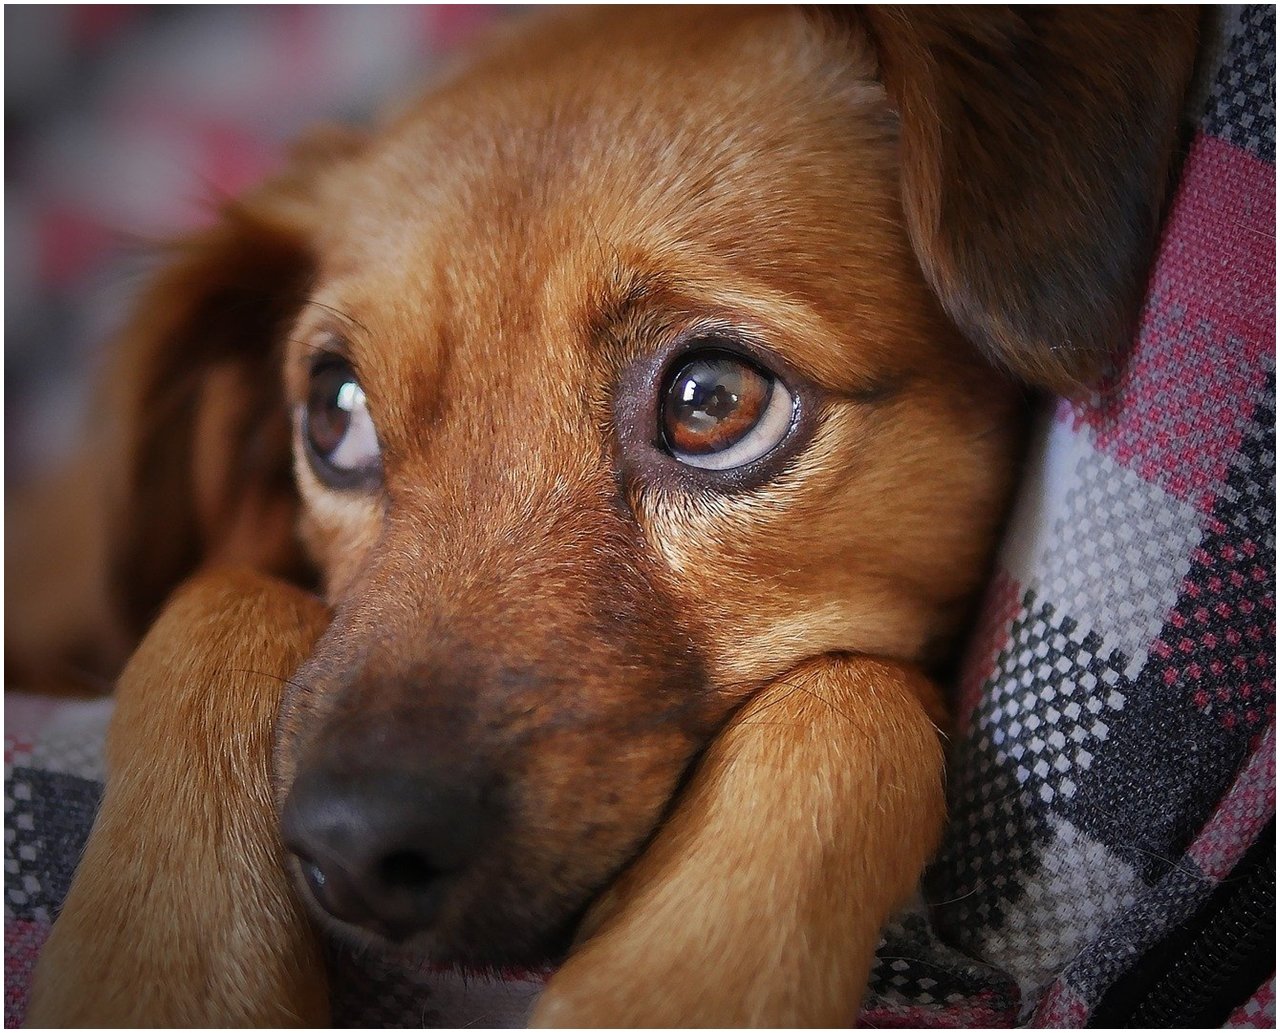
653,354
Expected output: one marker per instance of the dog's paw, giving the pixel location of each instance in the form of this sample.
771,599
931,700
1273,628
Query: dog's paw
575,1004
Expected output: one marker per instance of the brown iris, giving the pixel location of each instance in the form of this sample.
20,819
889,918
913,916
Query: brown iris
329,403
713,402
341,441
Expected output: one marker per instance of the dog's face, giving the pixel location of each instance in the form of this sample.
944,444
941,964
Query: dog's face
616,389
606,412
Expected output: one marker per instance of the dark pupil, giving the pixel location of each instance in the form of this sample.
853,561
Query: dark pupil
712,403
329,403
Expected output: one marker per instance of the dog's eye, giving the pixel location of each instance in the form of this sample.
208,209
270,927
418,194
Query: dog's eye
341,441
720,411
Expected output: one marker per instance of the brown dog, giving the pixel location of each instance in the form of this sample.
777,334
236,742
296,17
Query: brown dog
645,401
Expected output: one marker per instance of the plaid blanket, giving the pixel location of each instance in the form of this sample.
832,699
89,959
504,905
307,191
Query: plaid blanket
1116,762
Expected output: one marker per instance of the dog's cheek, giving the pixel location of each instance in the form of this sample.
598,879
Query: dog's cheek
869,543
314,690
338,533
754,575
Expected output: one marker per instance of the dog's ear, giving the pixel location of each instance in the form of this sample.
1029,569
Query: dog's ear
203,470
1036,146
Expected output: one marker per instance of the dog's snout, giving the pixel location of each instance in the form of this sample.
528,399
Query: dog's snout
379,849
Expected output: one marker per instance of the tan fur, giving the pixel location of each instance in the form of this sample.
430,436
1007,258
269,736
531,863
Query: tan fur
532,589
188,826
790,939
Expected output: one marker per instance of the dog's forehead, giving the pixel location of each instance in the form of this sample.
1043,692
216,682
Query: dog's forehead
728,131
524,199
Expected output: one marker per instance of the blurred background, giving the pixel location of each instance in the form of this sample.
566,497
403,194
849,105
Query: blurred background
125,124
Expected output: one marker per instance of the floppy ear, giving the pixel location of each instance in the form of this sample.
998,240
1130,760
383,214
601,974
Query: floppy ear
1036,145
204,471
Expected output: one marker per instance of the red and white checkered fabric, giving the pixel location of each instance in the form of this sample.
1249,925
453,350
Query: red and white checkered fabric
1259,1011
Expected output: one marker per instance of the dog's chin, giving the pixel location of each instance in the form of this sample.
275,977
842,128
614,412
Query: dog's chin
476,935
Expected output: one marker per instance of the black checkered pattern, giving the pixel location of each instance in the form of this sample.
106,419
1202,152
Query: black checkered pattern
914,969
1037,728
1242,106
47,817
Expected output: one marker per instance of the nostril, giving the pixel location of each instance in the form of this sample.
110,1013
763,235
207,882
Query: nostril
332,890
315,876
407,870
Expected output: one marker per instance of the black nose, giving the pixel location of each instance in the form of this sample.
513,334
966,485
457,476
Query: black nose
379,849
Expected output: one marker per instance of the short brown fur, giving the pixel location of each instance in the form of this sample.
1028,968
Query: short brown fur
700,702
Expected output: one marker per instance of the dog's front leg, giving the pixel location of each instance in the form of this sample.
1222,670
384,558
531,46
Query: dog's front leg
760,901
180,913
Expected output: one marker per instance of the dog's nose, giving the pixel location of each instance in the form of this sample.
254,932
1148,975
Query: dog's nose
378,849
